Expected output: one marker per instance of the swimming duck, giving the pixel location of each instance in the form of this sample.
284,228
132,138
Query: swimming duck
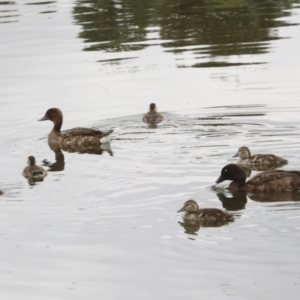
245,158
269,181
32,171
73,137
193,212
152,116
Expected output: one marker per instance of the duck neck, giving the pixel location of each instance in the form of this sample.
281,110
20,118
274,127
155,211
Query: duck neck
57,126
237,184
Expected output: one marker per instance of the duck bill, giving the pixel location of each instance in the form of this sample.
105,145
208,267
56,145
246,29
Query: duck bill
220,179
44,118
181,210
236,155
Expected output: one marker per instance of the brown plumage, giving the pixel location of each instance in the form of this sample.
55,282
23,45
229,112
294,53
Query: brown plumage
32,171
193,212
152,116
276,180
78,136
245,158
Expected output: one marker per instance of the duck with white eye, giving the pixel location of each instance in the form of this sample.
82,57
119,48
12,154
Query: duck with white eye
269,181
78,136
245,158
194,213
153,116
32,171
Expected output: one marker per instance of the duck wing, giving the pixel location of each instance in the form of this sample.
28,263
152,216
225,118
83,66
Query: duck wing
81,131
277,180
214,214
269,176
267,159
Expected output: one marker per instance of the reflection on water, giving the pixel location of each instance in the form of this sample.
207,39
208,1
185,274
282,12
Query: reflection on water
209,31
276,197
236,201
58,165
193,226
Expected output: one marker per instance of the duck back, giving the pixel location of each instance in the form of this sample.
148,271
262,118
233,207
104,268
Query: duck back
277,180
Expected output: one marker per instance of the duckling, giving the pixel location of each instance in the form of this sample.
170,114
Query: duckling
269,181
245,158
152,116
73,137
32,171
193,212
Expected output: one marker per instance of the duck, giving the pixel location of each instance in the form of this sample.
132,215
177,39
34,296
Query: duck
32,171
78,136
269,181
152,116
194,213
245,158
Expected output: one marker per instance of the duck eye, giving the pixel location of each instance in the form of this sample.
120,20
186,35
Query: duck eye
225,170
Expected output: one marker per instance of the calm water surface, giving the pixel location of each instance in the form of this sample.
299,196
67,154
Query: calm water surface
104,224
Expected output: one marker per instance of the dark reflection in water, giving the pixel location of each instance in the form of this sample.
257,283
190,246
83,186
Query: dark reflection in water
192,226
206,29
236,201
276,197
41,3
58,165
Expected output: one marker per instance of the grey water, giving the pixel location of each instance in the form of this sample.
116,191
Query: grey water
104,224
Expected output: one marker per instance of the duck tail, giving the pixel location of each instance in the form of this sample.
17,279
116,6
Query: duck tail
106,137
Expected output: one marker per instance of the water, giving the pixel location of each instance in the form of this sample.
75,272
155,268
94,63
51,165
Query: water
224,74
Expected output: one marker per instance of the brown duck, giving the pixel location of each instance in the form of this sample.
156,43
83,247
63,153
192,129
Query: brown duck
269,181
193,212
78,136
32,171
152,116
245,158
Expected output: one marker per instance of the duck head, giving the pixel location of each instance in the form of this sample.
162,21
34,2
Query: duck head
55,115
243,152
234,173
152,107
189,206
31,161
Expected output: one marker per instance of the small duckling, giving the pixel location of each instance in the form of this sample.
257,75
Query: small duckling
269,181
73,137
193,212
32,171
152,116
245,158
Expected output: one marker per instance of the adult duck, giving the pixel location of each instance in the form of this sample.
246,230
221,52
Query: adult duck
205,215
152,116
245,158
269,181
78,136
